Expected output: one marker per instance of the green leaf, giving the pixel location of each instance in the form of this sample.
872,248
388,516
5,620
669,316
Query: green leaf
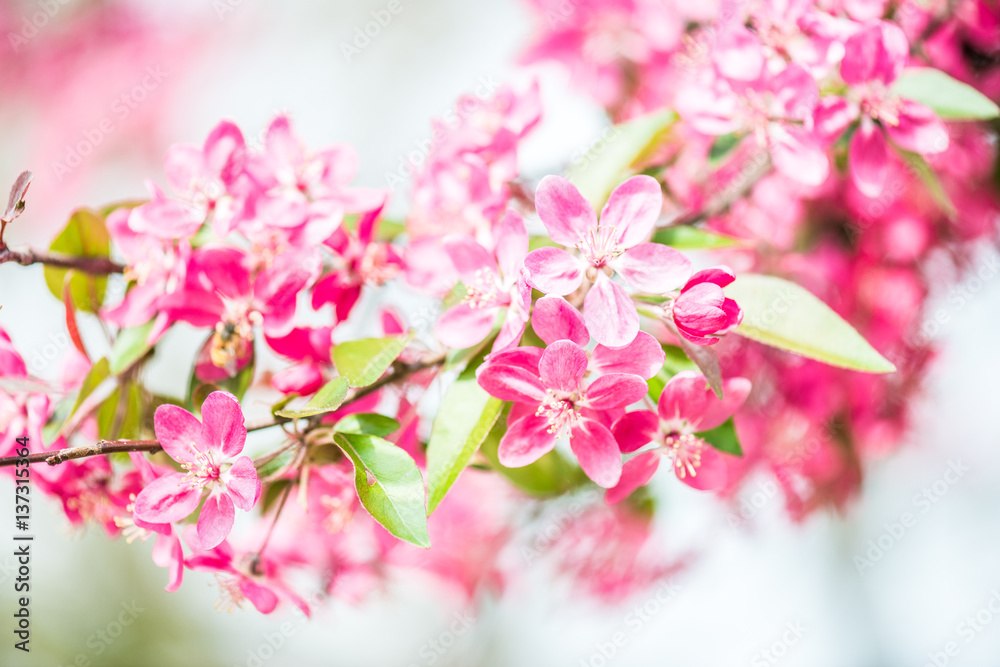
686,237
723,146
83,236
120,415
272,492
784,315
550,476
367,422
389,485
99,372
724,438
949,97
130,346
918,165
465,418
363,361
610,162
330,397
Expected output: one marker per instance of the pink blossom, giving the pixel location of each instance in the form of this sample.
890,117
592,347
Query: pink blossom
494,284
873,59
555,399
702,311
777,110
224,291
615,244
240,577
205,178
686,407
310,348
156,267
362,259
206,450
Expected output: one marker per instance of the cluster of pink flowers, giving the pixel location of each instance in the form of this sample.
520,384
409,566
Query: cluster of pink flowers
849,209
587,349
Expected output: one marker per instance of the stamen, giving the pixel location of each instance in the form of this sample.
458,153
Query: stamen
685,450
561,411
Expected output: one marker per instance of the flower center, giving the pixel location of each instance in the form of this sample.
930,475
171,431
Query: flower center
685,451
600,245
126,522
230,593
202,470
484,290
560,409
375,267
880,103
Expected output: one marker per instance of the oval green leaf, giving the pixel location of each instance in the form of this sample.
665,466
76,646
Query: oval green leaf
330,397
363,361
949,97
780,313
389,485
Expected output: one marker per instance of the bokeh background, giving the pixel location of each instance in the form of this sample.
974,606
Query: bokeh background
759,589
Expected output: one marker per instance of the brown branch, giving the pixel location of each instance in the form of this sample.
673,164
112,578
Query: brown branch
97,266
97,449
399,372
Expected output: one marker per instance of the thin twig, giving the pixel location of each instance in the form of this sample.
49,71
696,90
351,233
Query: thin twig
98,266
97,449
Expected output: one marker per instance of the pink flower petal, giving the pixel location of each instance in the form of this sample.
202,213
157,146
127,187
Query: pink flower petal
699,309
644,357
178,431
709,475
798,154
525,441
167,552
512,244
553,271
919,129
653,268
555,319
636,472
687,397
869,159
462,326
610,314
562,365
717,275
596,450
636,429
223,423
470,259
565,213
523,357
216,520
615,390
510,383
632,209
263,599
243,484
168,499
